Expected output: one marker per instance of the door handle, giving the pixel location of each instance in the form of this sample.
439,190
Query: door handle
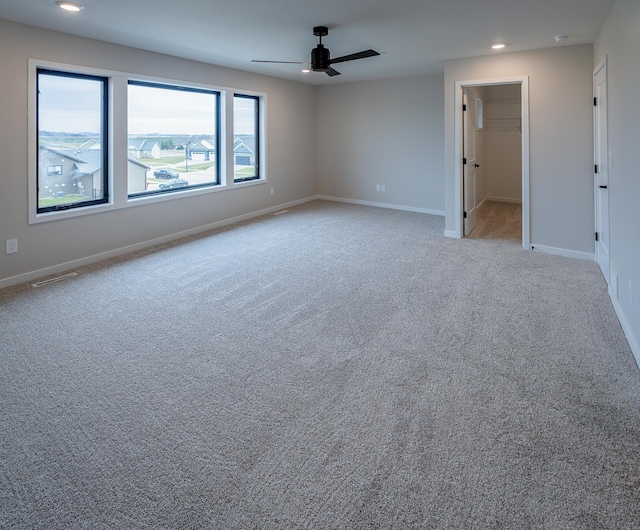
603,187
477,165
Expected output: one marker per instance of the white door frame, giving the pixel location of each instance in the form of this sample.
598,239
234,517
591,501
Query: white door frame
523,81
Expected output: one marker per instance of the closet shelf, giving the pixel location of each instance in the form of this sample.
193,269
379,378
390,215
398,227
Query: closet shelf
502,124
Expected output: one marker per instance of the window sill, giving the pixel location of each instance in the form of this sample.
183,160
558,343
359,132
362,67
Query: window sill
131,202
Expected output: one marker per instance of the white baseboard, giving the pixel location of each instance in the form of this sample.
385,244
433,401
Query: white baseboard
62,267
633,343
383,205
586,256
452,234
504,199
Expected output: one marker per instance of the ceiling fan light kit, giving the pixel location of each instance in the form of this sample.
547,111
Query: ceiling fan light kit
321,60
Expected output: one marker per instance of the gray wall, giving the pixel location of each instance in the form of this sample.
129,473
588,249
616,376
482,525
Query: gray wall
291,152
561,141
620,42
383,132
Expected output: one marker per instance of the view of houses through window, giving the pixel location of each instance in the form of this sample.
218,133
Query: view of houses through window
173,139
246,119
72,161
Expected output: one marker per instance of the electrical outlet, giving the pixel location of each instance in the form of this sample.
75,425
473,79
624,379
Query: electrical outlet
272,191
11,246
382,187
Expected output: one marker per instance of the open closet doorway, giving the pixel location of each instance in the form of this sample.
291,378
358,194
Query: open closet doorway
492,138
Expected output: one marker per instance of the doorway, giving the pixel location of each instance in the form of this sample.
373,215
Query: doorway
471,185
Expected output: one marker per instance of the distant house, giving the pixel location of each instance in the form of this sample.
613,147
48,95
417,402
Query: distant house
145,149
69,172
79,172
201,150
136,176
244,150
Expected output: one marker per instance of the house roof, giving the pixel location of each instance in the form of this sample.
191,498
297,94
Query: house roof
201,145
72,154
91,161
147,144
88,161
90,144
244,144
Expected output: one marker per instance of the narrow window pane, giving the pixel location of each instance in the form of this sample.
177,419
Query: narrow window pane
72,148
245,138
480,113
173,138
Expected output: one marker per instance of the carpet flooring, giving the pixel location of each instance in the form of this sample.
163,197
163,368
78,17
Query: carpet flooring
335,366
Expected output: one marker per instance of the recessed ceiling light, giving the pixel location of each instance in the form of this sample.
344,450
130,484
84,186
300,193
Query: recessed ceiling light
498,46
69,6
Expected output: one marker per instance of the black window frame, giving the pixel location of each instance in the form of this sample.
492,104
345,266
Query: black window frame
256,157
182,88
104,140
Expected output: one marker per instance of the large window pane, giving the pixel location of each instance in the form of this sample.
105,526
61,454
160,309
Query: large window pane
245,137
72,140
173,138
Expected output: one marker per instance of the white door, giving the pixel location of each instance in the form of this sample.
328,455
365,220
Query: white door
469,163
601,167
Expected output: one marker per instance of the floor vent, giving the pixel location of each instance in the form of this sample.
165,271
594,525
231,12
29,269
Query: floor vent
281,212
53,280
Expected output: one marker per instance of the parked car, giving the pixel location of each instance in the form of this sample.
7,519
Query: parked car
174,183
165,174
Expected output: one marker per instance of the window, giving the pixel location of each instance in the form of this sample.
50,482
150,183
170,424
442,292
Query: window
173,138
480,113
246,139
71,140
101,140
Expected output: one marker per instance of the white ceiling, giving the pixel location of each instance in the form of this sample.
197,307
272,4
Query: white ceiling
414,36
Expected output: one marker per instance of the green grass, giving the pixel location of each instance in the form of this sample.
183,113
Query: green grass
244,172
56,201
197,167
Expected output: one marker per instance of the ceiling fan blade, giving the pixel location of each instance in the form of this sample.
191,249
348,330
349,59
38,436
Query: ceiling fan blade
331,72
278,62
354,56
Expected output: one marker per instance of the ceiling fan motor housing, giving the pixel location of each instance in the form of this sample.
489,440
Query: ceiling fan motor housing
320,58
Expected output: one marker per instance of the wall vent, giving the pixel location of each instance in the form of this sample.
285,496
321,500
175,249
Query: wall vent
53,280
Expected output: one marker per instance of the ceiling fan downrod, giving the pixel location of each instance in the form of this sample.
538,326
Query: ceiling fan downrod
320,55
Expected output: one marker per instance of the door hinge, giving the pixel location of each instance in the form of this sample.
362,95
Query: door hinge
595,168
464,214
464,161
596,236
595,102
464,107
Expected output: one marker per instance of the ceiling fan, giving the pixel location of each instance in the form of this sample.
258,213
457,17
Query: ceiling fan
321,58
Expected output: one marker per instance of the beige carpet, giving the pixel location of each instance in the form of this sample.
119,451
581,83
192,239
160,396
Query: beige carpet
336,366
